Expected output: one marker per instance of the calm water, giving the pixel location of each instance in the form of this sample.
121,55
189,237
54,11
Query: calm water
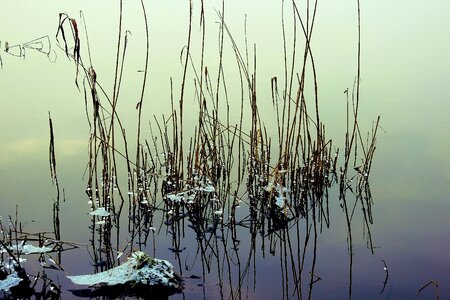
405,71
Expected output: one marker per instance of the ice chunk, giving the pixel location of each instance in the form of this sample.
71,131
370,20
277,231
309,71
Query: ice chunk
181,197
10,281
175,197
24,248
207,189
139,268
101,212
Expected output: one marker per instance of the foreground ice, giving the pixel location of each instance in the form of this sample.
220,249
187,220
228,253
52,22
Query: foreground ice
138,269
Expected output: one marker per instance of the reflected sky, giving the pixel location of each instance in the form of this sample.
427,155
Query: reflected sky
405,72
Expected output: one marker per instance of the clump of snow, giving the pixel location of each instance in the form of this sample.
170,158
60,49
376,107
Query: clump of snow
269,186
206,188
279,191
10,281
11,264
25,248
139,268
280,201
181,197
203,185
101,212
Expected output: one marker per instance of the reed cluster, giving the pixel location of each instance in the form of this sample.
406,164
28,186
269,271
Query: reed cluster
217,178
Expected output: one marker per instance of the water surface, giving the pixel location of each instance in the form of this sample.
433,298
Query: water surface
403,79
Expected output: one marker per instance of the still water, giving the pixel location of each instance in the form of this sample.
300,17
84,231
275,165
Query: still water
404,79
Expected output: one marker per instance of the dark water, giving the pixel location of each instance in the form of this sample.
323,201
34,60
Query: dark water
409,180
